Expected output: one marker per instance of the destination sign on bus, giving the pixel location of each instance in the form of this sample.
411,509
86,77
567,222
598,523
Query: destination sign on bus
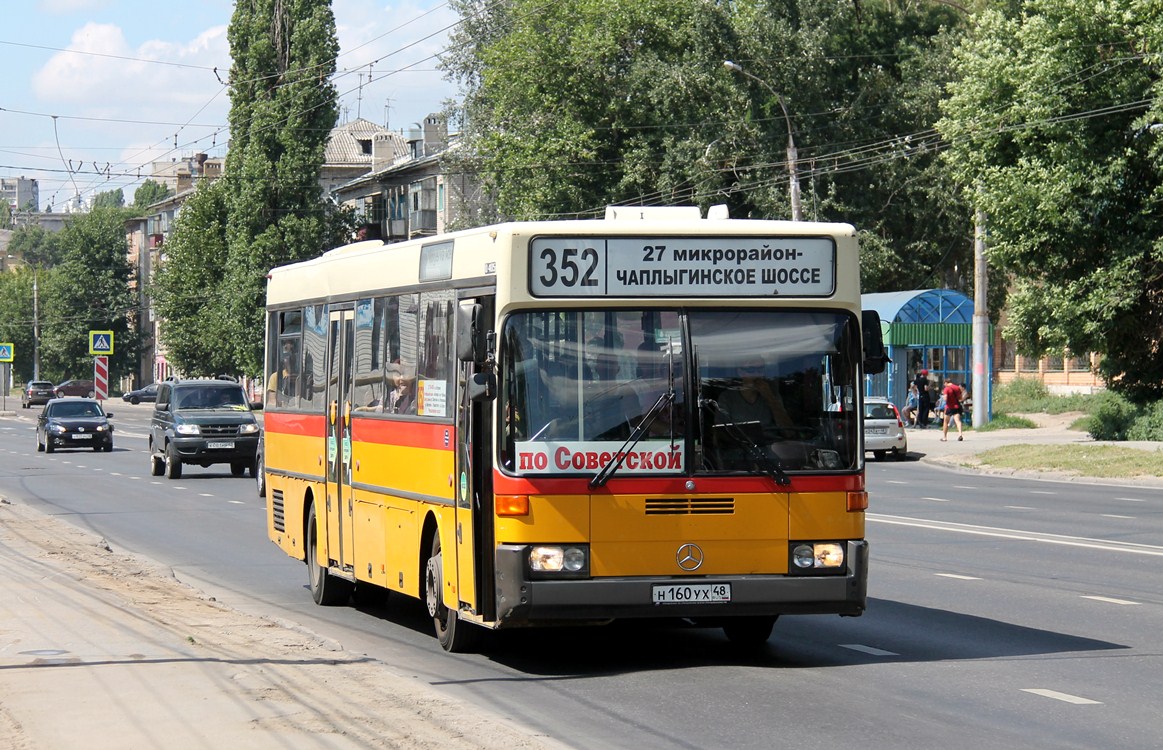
682,267
556,457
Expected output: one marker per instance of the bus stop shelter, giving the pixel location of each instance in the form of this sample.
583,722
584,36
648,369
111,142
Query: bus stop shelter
928,329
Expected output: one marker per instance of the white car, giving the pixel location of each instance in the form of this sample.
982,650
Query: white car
884,430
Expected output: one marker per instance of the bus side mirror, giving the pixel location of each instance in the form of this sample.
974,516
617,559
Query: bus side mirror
875,355
482,386
470,334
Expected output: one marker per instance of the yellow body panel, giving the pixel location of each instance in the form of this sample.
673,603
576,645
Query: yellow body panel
556,519
422,471
824,516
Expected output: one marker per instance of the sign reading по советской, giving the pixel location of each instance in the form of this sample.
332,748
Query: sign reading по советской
682,267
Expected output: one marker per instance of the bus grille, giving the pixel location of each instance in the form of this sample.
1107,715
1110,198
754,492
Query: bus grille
277,510
685,506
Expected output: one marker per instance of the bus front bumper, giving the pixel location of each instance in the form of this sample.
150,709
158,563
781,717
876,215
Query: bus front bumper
524,601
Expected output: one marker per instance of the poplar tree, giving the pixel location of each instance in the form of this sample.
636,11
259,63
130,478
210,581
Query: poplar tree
283,106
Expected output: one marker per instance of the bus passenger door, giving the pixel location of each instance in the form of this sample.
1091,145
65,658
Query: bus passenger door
473,495
340,531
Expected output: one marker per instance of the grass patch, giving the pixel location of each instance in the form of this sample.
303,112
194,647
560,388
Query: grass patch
1025,395
1006,422
1105,461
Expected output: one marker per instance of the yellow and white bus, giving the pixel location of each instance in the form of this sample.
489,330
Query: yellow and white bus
651,415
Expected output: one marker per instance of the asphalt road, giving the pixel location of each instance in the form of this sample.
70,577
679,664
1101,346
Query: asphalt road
1003,612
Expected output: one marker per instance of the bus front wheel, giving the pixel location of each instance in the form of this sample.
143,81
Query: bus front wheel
454,635
749,632
327,590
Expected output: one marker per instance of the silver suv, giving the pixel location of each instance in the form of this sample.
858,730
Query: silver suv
202,422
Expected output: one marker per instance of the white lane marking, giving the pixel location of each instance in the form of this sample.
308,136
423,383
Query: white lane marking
958,577
1112,515
963,487
204,494
936,499
1064,697
236,502
1019,507
1132,499
1019,535
868,649
1109,600
1042,492
895,481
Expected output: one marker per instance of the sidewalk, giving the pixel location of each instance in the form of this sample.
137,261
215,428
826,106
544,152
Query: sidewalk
1052,429
104,650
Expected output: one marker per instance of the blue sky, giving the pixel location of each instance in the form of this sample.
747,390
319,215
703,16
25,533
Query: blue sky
95,91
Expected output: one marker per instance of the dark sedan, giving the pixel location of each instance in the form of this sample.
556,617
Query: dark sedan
75,388
147,394
74,423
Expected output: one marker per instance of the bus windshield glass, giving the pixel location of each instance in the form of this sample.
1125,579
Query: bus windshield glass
754,391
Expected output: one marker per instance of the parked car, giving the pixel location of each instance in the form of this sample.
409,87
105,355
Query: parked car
37,392
74,423
84,388
202,422
148,394
884,430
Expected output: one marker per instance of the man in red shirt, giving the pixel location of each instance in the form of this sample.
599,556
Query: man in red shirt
952,394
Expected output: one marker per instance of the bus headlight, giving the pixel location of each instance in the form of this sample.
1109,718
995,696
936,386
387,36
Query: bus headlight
817,555
565,560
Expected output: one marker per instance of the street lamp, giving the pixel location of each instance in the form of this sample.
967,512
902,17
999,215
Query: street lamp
792,158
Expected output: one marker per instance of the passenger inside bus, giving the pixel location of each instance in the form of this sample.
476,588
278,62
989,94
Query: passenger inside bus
750,414
402,397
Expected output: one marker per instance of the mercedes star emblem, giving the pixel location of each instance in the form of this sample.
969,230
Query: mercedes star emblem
689,557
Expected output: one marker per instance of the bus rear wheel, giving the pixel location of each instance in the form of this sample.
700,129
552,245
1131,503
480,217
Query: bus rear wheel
749,632
327,590
454,635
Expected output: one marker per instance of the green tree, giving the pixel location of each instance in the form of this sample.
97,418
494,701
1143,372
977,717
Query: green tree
593,103
188,291
1049,121
16,319
283,107
622,101
109,199
150,192
35,246
89,290
5,215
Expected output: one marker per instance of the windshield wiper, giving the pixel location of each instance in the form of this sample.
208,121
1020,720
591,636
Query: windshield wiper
768,465
615,462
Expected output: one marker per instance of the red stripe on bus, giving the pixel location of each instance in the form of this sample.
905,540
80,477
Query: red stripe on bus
509,485
383,431
289,423
408,434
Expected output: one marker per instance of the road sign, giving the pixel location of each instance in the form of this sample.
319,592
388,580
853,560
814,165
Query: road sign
6,352
101,343
101,377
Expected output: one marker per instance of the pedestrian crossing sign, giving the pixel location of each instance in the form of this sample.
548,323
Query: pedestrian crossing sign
6,352
101,343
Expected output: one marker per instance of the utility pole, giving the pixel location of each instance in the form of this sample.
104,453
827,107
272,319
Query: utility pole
792,156
35,327
982,367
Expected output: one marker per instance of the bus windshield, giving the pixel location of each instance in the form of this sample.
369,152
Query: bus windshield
754,391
